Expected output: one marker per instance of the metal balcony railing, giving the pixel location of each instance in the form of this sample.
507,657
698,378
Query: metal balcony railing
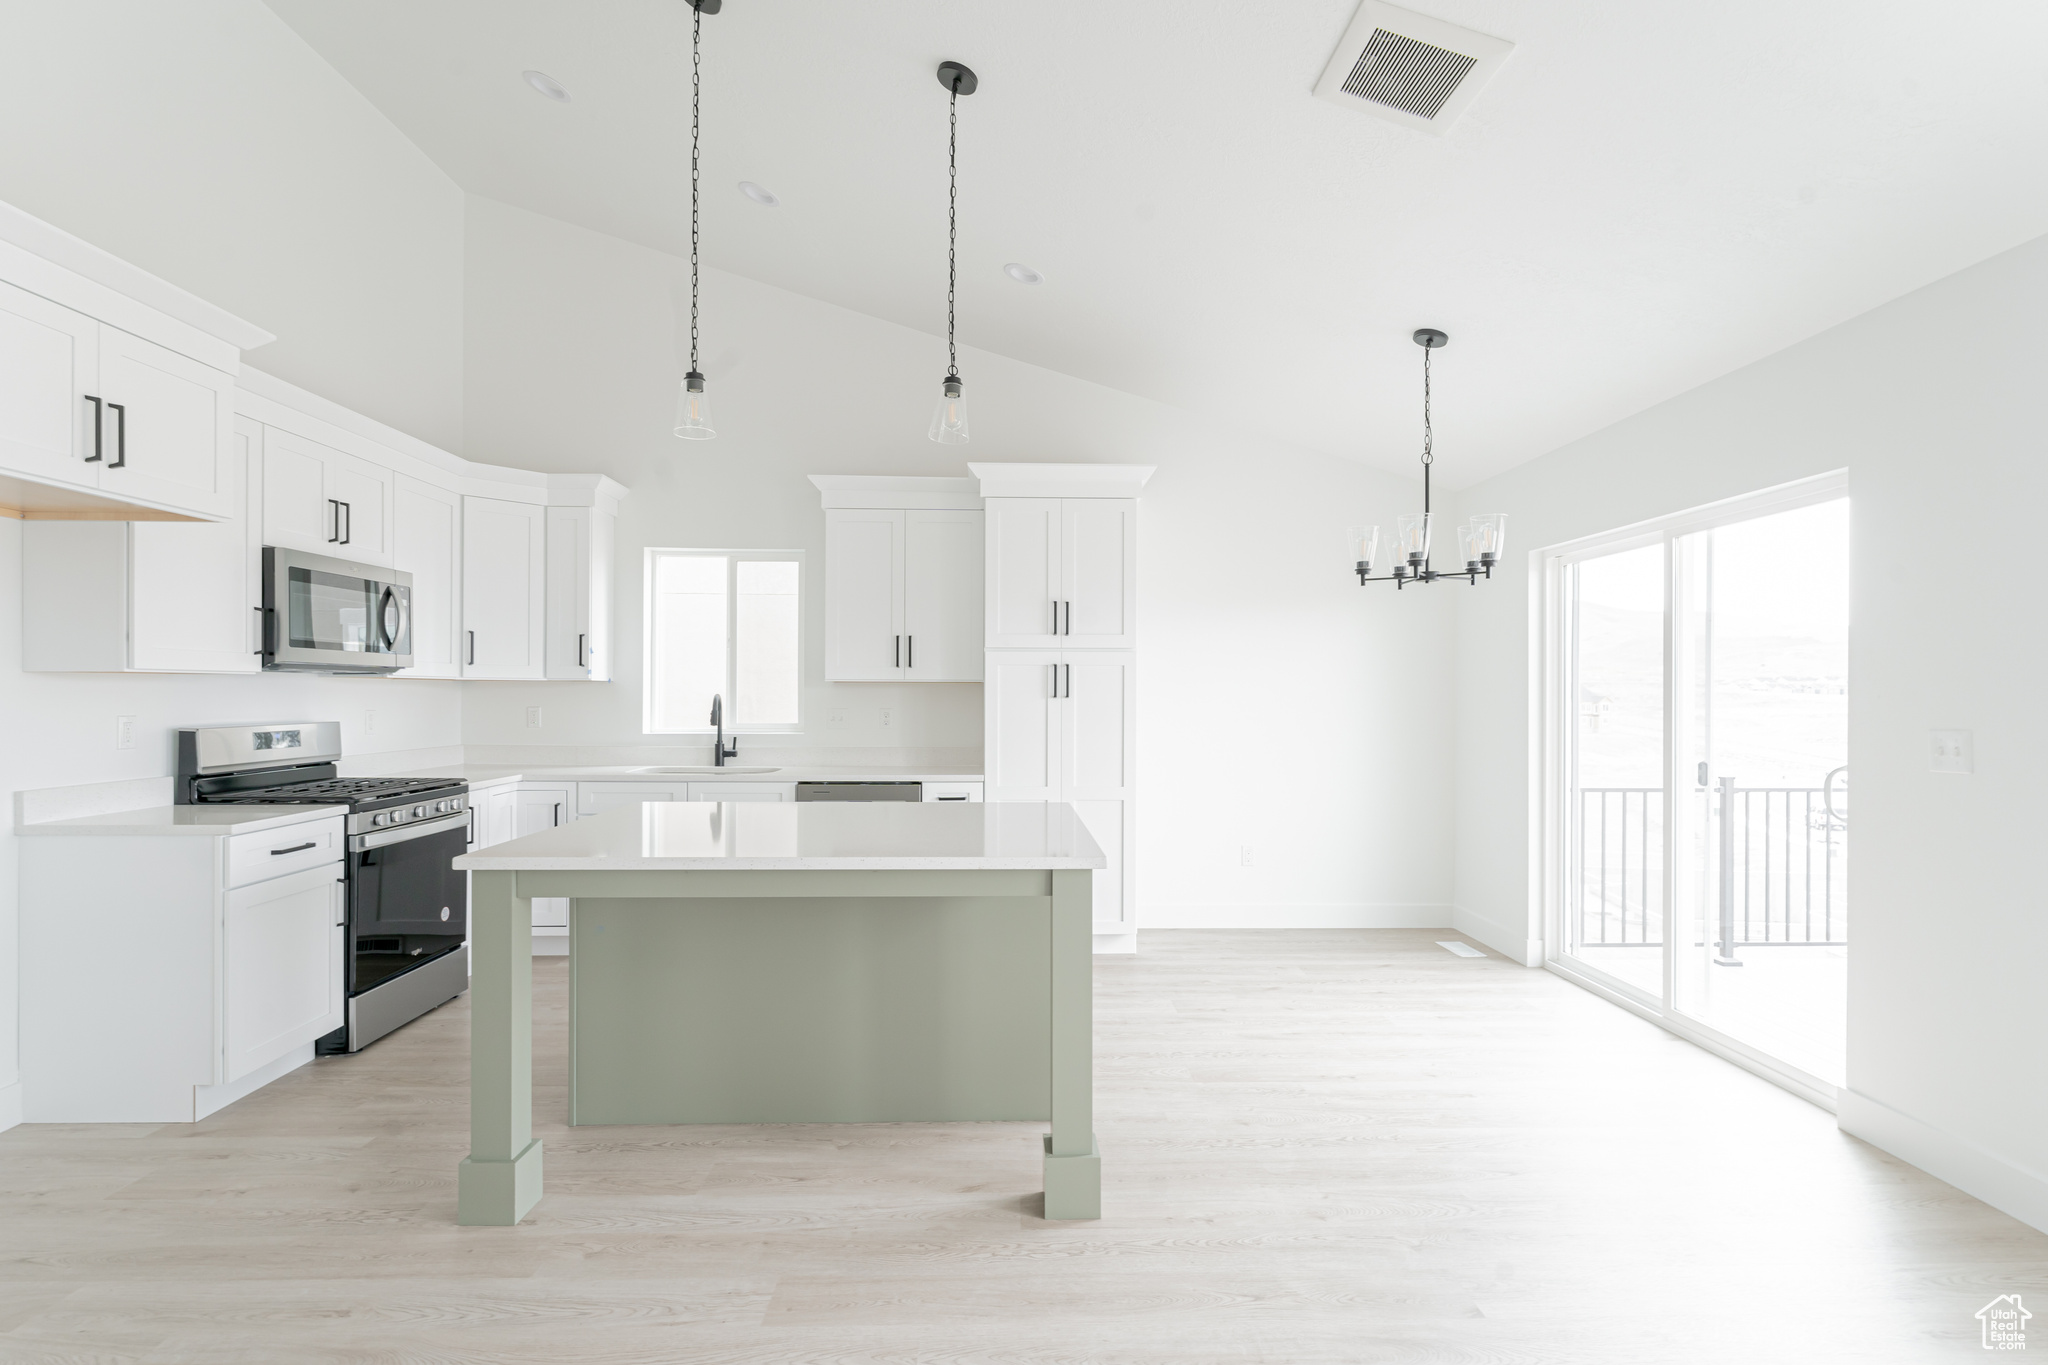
1773,862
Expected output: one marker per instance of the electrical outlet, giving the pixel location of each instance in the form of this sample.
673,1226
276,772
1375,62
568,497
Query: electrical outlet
888,718
369,720
124,732
533,718
1953,752
1244,855
835,720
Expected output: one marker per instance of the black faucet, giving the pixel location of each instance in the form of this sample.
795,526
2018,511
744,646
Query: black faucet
719,751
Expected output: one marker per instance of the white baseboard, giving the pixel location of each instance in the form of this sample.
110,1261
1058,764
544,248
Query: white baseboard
1511,941
1116,943
551,943
211,1099
10,1105
1301,915
1974,1170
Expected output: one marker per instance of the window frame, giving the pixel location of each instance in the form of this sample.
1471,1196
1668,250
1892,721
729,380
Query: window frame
652,559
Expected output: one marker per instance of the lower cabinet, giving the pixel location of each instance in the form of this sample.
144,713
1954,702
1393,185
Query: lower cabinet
743,791
536,808
595,797
285,940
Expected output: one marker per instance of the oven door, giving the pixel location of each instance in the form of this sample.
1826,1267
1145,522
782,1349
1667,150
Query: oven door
323,615
406,902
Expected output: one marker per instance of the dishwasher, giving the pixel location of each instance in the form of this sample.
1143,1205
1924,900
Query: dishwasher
860,791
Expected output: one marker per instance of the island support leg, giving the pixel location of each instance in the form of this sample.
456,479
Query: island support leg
1073,1166
499,1182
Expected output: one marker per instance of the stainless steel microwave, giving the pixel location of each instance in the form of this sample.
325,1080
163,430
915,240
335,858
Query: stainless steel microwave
323,615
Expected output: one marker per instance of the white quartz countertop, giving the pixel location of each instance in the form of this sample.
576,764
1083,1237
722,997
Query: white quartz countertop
480,776
204,821
684,836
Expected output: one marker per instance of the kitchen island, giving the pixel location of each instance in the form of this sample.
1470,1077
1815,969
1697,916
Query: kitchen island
736,962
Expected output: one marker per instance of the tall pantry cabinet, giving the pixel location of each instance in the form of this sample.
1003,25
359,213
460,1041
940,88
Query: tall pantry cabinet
1060,690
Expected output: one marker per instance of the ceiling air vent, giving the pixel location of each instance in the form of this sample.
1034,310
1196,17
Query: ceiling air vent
1409,68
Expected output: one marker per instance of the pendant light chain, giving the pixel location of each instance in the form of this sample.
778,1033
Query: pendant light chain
1428,435
696,99
952,220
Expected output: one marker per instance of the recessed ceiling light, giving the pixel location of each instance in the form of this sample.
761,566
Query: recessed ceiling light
764,197
547,85
1023,274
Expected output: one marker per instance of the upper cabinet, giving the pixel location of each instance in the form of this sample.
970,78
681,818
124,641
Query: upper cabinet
504,578
426,542
1062,572
325,500
903,582
579,581
116,388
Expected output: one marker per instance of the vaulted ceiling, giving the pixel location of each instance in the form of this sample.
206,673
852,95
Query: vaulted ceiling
1647,196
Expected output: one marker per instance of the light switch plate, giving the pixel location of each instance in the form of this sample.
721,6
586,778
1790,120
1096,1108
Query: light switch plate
1953,752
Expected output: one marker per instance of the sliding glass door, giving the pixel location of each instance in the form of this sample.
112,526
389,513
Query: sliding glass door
1698,801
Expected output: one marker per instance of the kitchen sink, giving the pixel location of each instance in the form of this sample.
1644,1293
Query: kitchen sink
706,770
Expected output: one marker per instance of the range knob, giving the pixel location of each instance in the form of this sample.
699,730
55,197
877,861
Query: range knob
419,812
380,819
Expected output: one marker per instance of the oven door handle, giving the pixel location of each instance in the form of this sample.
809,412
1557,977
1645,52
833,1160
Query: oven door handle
358,842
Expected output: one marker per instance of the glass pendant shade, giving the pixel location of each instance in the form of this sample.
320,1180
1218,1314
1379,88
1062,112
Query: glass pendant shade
1467,555
693,410
1363,543
1489,535
1411,539
949,418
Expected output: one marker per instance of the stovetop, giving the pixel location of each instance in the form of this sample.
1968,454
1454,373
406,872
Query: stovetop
357,792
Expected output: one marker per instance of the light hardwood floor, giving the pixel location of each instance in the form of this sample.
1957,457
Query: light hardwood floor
1318,1146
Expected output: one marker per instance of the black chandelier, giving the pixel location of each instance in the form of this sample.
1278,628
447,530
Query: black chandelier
1480,540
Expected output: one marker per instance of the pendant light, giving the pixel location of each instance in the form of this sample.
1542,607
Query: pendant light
1480,540
949,418
693,405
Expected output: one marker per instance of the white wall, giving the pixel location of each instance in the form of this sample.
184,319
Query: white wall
1281,705
205,142
1933,404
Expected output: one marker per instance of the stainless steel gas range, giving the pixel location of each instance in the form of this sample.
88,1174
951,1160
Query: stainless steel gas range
408,908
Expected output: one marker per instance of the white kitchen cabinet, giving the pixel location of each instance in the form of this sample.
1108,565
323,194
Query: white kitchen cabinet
1062,572
951,791
594,797
149,596
500,819
903,595
49,362
1059,727
90,406
537,808
426,542
325,500
154,987
579,593
742,791
283,948
504,571
172,420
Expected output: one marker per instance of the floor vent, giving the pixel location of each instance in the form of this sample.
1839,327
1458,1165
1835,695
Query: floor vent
1409,68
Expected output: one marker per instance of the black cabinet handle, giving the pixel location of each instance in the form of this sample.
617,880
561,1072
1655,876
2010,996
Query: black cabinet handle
334,508
472,646
348,511
99,413
952,798
558,813
1070,618
910,651
1070,679
295,848
581,658
896,661
120,460
1055,680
